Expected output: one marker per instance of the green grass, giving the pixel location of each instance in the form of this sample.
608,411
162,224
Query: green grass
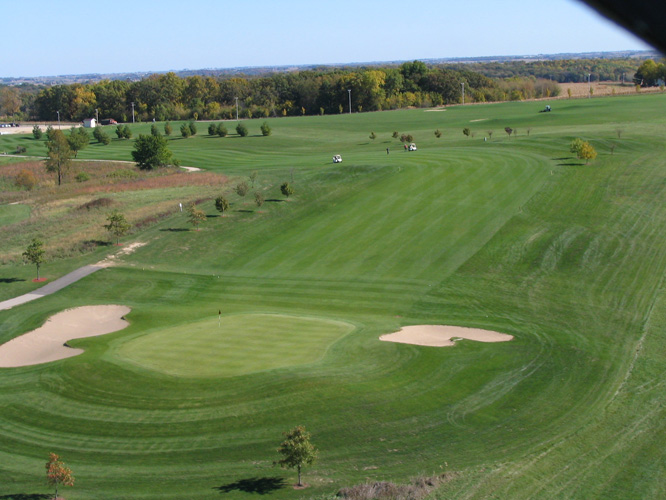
234,345
510,234
11,214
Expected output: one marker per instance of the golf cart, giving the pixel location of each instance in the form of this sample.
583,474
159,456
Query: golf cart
337,159
412,147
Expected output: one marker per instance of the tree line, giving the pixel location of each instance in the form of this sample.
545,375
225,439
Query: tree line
313,92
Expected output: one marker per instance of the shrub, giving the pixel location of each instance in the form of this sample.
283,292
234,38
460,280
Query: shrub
193,128
221,204
265,129
242,189
25,179
373,136
241,130
222,130
82,177
167,128
258,198
212,129
20,150
185,130
286,189
395,134
438,133
37,132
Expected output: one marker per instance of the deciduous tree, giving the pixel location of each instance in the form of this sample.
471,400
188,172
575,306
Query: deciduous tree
35,253
466,131
259,198
221,204
59,157
151,152
78,139
587,152
196,216
117,225
297,450
57,473
242,188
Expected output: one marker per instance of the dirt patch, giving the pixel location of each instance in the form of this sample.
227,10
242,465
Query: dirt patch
48,342
442,335
111,259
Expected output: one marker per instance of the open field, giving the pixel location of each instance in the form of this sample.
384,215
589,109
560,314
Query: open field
269,317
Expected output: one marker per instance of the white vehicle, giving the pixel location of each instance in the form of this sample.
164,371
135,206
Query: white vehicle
412,147
337,159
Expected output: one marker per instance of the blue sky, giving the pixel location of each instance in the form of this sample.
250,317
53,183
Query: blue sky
43,38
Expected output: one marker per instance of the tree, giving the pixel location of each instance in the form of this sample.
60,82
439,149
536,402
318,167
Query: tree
154,130
37,132
296,450
286,189
185,130
117,225
490,134
259,198
373,136
241,188
151,152
78,139
59,157
196,216
576,146
221,204
35,253
508,130
222,130
101,136
466,131
587,152
253,177
123,132
438,133
395,134
241,130
57,473
265,129
193,128
167,128
212,129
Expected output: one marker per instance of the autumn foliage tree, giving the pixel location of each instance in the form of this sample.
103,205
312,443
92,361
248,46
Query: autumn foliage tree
196,216
57,473
297,450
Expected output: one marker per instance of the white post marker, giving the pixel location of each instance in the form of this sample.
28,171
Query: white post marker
181,206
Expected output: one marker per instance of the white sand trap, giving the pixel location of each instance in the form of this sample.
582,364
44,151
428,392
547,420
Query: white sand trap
442,336
46,343
478,120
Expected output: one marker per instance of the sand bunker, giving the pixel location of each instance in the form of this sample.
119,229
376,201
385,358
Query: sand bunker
442,336
46,343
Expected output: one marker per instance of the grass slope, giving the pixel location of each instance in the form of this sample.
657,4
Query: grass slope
510,234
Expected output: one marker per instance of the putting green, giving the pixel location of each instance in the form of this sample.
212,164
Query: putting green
236,345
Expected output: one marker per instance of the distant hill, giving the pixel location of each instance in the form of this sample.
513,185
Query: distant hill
262,70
